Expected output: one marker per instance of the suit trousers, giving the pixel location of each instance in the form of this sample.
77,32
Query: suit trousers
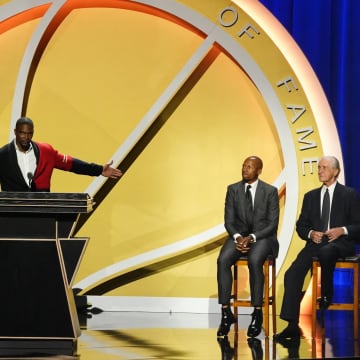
294,277
228,256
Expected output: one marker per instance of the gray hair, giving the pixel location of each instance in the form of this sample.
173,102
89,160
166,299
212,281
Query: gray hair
334,161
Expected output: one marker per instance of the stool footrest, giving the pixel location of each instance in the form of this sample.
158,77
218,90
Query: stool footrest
336,306
245,302
240,303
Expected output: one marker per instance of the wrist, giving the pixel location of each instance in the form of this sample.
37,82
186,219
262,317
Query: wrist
237,236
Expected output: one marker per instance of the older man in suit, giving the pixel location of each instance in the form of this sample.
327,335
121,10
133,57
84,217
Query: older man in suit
251,220
329,222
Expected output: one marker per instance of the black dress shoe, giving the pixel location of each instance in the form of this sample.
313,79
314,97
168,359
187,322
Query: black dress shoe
227,319
292,345
292,331
256,348
254,328
227,352
324,302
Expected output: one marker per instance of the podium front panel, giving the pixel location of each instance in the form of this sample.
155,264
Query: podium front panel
35,301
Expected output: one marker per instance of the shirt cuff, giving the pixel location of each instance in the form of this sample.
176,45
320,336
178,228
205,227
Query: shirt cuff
235,236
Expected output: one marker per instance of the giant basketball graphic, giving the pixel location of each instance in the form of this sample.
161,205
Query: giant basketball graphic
177,93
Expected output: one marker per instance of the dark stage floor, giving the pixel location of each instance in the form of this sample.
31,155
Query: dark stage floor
127,335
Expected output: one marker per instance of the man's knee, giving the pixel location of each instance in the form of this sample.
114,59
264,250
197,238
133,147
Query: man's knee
223,261
328,254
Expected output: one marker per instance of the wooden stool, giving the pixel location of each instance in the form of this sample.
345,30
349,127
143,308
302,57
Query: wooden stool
270,262
351,262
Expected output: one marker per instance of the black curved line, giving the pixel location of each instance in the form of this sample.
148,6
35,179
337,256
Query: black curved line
153,269
160,351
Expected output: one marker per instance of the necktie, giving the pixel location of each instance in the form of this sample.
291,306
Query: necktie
249,208
325,212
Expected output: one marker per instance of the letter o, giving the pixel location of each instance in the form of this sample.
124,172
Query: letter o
228,9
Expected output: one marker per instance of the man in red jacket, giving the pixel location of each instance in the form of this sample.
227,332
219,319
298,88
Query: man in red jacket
26,165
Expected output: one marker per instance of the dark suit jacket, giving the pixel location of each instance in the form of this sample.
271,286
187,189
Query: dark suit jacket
266,212
11,178
345,211
48,159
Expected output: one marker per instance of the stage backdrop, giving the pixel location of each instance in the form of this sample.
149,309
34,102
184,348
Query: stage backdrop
177,93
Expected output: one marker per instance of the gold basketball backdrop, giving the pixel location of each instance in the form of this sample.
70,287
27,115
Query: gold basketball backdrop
177,93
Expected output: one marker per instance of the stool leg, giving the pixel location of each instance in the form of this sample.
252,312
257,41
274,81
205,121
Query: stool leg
266,297
273,295
235,292
356,301
315,265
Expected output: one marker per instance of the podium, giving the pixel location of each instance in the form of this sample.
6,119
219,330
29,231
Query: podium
39,258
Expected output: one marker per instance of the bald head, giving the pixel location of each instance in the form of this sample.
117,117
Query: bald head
251,169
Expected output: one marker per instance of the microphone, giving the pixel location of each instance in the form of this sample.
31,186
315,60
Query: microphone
30,177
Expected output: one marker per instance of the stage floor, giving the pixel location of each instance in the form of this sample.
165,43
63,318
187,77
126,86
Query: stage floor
117,335
128,335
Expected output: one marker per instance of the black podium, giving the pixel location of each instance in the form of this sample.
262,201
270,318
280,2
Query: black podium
39,259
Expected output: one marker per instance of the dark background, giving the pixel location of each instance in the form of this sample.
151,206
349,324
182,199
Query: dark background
328,32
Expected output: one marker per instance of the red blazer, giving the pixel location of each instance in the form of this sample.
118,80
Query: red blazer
48,159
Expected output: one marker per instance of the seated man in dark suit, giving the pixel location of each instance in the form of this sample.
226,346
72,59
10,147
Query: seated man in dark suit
251,220
329,222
